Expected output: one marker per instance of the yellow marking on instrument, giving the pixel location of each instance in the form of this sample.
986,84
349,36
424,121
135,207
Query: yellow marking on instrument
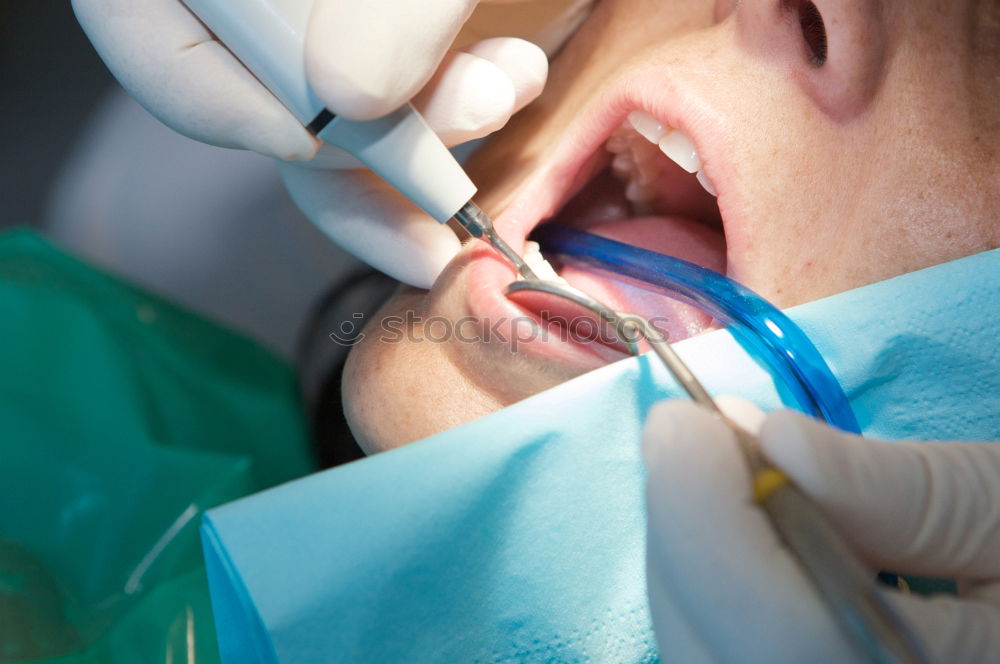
767,482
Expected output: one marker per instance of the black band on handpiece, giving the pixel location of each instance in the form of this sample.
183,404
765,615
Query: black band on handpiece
320,122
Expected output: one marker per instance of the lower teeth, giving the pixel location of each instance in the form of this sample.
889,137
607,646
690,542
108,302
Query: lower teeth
541,267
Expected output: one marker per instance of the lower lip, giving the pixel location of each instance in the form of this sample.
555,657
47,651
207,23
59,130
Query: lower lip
487,281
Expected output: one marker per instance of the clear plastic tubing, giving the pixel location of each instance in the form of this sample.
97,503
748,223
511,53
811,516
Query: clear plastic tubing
801,374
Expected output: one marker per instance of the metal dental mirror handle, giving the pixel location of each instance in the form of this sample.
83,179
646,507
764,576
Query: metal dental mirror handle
268,37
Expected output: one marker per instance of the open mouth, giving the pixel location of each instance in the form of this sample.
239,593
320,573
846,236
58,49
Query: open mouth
640,182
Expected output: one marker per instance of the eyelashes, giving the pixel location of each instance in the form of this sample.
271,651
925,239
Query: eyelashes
813,29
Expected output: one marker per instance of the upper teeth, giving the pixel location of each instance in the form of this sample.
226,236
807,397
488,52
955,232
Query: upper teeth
673,143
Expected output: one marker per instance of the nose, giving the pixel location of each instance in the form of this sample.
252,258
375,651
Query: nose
835,50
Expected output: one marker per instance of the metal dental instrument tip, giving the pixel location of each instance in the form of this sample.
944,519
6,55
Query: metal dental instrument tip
479,225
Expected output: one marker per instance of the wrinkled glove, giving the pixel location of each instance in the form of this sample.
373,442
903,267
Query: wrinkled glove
363,59
722,587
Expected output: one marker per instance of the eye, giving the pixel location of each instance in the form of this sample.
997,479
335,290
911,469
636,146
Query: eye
813,29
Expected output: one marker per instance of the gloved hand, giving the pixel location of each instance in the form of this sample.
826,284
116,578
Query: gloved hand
363,59
722,588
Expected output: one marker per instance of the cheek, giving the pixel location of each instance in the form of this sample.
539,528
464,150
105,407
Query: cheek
806,236
398,389
805,189
402,383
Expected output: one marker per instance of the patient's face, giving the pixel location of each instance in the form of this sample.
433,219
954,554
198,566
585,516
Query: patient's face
848,141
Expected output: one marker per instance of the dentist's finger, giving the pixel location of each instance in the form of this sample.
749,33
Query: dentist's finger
468,98
729,573
742,412
366,59
475,93
676,637
920,508
368,218
952,629
165,58
524,63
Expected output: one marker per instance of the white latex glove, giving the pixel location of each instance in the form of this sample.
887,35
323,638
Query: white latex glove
364,59
722,588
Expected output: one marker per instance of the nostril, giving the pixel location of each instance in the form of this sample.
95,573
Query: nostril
813,32
813,29
834,50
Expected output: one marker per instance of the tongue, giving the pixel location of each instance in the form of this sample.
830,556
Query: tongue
674,236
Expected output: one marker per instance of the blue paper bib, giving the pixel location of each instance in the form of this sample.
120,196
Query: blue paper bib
520,537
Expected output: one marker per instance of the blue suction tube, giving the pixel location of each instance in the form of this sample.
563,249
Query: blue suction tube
772,338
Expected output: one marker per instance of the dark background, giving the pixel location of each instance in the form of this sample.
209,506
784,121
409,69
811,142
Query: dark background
50,81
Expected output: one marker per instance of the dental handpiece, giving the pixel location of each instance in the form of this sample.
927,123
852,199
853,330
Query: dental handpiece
268,37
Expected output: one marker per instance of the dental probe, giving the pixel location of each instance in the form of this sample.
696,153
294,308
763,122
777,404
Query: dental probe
479,225
842,580
268,37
